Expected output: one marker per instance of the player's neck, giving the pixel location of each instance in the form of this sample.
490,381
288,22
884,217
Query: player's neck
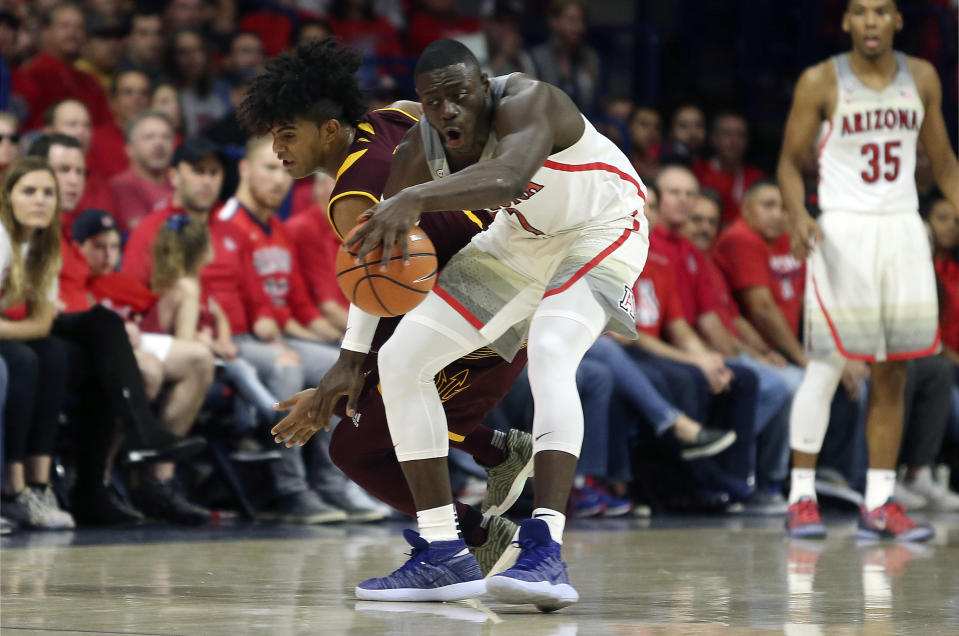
884,66
340,150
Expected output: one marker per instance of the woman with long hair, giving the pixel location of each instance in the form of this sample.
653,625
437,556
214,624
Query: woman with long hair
29,264
181,251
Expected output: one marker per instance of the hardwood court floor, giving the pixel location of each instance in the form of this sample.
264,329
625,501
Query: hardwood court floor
671,575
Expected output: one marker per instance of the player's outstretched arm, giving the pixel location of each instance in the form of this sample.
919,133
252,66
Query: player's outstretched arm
530,121
933,134
809,103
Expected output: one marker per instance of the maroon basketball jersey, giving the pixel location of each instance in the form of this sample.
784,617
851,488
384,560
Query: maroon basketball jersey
367,167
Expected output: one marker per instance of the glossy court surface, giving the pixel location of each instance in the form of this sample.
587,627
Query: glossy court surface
670,575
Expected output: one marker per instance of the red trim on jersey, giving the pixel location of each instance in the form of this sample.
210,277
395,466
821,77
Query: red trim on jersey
590,265
596,165
822,144
902,355
460,309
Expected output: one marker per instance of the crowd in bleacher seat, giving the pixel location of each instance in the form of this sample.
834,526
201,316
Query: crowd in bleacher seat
164,281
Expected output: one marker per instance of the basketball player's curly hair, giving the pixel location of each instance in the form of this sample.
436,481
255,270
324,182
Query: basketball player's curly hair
316,81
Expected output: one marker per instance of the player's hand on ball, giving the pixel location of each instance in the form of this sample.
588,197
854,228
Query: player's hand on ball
389,223
805,234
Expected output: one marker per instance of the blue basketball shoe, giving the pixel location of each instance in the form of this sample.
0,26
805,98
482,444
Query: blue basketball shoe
438,571
539,575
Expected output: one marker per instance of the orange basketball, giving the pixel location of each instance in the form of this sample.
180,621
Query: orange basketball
398,289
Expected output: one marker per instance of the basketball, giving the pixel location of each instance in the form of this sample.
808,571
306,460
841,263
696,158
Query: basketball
398,289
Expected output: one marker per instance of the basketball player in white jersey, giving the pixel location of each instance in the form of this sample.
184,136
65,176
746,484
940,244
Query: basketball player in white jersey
557,265
871,289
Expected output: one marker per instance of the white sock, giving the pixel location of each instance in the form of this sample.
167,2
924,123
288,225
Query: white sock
803,484
880,484
438,524
555,521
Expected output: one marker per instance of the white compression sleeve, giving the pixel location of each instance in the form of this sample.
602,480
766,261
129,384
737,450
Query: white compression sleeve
809,417
360,327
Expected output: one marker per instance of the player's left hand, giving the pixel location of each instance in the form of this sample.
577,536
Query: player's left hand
302,422
389,223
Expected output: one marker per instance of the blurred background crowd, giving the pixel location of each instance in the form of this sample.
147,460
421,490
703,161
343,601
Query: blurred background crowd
165,281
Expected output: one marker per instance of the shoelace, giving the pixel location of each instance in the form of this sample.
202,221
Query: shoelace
530,553
807,512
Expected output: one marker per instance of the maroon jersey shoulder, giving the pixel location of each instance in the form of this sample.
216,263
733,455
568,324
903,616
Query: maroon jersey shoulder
367,166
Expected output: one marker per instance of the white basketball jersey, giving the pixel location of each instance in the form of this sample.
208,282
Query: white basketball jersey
591,183
867,149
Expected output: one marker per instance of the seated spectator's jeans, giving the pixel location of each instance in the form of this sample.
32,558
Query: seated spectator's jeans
4,377
777,385
632,385
954,423
595,385
733,409
250,391
928,399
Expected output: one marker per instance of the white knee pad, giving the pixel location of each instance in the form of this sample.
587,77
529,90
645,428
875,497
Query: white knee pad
809,417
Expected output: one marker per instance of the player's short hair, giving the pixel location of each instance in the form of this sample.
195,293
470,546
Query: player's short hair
42,144
443,53
762,183
712,195
50,114
315,81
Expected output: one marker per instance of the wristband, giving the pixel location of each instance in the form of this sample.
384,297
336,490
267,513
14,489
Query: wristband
360,327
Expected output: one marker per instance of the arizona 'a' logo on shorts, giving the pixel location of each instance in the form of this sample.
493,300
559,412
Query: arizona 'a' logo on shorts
628,303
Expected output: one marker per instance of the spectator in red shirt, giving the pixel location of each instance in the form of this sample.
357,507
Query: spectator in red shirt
679,190
264,184
726,172
437,19
146,183
316,247
130,92
683,367
185,367
765,277
743,339
49,77
70,117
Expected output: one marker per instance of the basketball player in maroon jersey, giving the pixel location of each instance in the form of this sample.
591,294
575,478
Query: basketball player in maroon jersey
870,292
309,100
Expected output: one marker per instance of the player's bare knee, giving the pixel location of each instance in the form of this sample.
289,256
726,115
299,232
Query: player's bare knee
889,379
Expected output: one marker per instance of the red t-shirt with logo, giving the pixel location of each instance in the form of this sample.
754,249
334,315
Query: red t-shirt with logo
695,293
657,296
747,260
275,262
